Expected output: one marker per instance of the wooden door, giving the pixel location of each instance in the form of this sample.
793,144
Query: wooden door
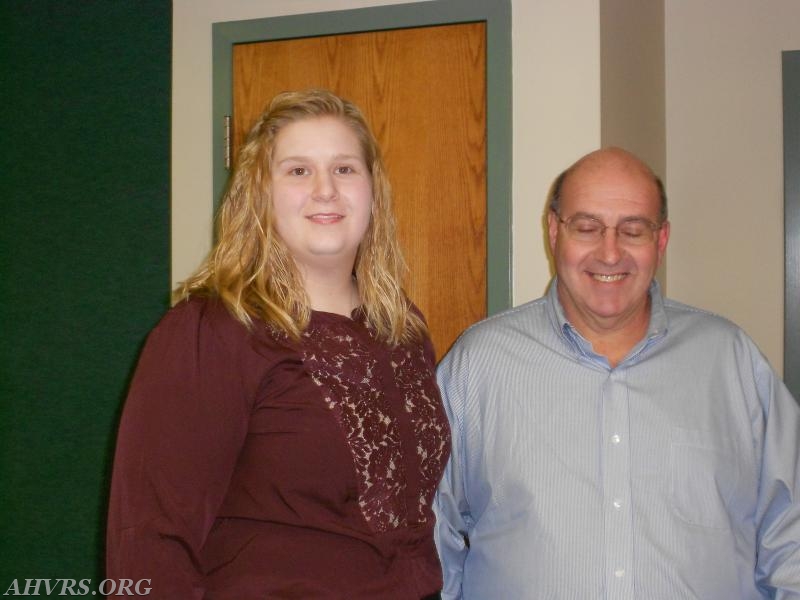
423,91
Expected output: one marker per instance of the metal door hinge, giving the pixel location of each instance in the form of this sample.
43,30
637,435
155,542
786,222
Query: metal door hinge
227,142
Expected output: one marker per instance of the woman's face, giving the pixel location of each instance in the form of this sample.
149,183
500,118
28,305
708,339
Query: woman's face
321,192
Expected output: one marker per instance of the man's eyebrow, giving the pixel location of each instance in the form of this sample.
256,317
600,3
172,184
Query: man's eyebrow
585,214
599,218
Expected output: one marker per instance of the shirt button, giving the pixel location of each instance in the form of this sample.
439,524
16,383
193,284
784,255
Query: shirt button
619,573
615,439
617,504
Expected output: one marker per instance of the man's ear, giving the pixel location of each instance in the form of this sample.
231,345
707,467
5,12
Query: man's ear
552,230
663,239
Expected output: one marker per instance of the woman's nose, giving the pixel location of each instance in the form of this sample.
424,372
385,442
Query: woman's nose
324,186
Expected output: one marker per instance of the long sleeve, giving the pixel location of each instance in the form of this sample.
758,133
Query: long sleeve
183,424
451,505
778,511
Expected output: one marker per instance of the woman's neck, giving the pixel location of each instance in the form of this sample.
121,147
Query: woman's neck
331,291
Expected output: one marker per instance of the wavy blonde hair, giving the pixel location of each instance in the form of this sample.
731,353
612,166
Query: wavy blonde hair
251,270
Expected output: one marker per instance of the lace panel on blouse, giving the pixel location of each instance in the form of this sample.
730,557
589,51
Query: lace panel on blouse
354,388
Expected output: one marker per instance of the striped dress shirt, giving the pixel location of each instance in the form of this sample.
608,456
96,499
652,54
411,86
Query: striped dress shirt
673,476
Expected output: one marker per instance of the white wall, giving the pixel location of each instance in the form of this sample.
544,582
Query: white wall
724,158
556,98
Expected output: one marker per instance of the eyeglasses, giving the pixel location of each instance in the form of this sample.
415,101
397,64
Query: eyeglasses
631,232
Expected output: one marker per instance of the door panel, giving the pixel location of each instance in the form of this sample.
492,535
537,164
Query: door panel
423,91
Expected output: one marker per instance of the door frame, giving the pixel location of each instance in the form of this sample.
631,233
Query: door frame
497,16
791,220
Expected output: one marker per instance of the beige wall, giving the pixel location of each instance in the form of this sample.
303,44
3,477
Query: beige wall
632,78
556,95
724,158
722,120
632,83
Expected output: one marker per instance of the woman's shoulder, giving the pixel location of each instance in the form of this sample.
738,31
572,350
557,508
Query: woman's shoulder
204,325
199,314
205,321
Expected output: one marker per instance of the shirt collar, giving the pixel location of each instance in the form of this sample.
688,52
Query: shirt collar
656,329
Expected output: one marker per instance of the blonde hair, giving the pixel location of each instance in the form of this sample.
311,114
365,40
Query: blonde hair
251,270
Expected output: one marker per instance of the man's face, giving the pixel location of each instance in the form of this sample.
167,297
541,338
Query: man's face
603,285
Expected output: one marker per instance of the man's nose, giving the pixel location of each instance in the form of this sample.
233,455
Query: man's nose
610,249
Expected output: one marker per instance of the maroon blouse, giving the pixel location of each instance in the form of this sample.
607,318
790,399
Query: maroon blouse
250,467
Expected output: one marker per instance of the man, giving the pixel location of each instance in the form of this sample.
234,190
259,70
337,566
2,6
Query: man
611,443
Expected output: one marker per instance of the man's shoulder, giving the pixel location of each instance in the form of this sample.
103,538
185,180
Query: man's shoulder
690,324
527,319
698,319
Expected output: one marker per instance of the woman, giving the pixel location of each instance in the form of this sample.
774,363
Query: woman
283,435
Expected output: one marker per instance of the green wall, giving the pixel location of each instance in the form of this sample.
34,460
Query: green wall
84,260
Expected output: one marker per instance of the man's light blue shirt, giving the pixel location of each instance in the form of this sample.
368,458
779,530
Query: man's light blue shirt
674,475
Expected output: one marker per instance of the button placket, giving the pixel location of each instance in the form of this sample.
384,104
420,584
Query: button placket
616,486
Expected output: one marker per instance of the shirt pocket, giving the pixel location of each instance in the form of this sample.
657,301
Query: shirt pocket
702,478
